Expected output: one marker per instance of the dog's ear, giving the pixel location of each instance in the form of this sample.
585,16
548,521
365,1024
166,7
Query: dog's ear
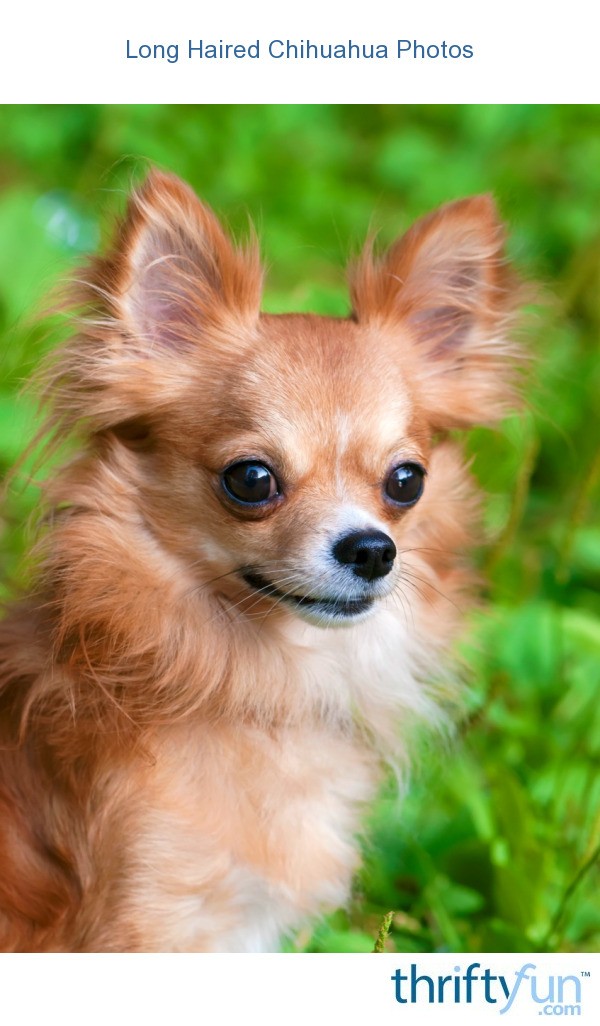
445,291
173,271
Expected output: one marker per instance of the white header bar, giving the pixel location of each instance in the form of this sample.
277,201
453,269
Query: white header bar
264,52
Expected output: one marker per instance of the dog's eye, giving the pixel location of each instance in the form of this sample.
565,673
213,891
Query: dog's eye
250,482
405,484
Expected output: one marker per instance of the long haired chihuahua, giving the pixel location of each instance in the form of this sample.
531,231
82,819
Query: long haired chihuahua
248,582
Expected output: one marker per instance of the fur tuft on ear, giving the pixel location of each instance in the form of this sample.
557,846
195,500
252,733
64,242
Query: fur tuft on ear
171,284
446,291
172,269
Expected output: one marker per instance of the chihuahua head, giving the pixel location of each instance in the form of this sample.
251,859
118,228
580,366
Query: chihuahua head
290,463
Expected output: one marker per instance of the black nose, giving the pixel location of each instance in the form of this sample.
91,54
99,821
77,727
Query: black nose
370,553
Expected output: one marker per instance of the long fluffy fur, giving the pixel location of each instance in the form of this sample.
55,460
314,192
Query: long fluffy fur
184,764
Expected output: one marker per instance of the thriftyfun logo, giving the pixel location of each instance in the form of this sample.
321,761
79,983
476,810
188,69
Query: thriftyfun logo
555,995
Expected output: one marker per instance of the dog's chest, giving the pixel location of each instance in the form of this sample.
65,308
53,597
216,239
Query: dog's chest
244,834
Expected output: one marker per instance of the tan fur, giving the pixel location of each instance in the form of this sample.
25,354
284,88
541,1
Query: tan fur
184,759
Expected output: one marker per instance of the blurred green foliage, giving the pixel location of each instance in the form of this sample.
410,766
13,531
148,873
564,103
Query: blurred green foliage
496,846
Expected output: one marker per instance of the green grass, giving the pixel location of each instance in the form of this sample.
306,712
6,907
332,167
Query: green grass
496,846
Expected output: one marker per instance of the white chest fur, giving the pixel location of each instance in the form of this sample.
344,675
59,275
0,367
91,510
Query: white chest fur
247,830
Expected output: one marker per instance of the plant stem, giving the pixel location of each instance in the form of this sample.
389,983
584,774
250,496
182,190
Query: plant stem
384,930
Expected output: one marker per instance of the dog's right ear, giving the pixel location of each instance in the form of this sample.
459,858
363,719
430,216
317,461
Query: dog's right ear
173,272
446,297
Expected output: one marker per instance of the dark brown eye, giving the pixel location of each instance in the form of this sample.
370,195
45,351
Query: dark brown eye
404,485
250,482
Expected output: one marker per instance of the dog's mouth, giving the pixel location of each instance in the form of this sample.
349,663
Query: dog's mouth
333,607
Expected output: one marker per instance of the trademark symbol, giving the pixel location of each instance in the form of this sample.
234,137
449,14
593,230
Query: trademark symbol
585,972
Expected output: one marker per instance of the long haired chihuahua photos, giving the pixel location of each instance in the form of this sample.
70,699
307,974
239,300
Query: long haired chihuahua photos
248,581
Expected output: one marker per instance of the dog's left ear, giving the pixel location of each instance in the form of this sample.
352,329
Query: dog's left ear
444,291
173,273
